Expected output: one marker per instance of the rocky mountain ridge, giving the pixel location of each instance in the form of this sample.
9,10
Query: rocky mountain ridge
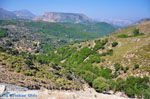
48,16
64,17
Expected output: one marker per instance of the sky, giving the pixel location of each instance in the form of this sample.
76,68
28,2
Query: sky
96,9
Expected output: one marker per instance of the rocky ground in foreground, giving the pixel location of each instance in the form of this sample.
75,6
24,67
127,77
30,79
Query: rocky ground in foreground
13,92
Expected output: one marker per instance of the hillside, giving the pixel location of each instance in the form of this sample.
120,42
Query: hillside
118,62
38,37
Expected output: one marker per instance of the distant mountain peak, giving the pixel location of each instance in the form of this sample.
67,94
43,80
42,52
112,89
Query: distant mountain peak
24,13
4,14
64,17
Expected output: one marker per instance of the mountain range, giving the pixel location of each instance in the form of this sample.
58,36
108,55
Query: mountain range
25,14
63,17
48,16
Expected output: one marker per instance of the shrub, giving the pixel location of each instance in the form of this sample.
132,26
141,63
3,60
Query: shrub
147,94
100,44
136,66
88,76
117,66
120,83
29,72
125,69
29,62
114,44
115,74
106,73
112,84
100,84
136,32
94,59
136,86
123,36
109,52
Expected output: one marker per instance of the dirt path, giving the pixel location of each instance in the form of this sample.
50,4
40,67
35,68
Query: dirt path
89,93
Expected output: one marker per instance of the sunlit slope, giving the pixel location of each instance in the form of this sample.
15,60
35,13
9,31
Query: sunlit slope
130,50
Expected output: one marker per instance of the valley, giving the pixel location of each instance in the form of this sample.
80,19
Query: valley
62,51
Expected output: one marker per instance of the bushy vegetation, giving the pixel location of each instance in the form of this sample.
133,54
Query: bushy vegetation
136,66
123,36
101,84
135,33
51,35
114,44
3,32
99,44
135,86
117,66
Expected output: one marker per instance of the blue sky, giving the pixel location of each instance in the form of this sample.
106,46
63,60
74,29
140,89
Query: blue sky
97,9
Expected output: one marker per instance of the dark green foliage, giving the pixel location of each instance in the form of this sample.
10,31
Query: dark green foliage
106,73
125,69
95,59
114,44
100,29
136,66
120,83
29,62
108,52
80,56
3,32
88,76
136,32
117,66
147,94
101,84
115,74
99,44
9,51
133,86
123,36
136,86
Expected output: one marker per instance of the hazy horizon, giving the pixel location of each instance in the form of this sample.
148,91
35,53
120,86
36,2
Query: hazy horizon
103,9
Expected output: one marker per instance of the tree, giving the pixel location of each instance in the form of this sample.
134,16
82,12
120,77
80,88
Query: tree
136,32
